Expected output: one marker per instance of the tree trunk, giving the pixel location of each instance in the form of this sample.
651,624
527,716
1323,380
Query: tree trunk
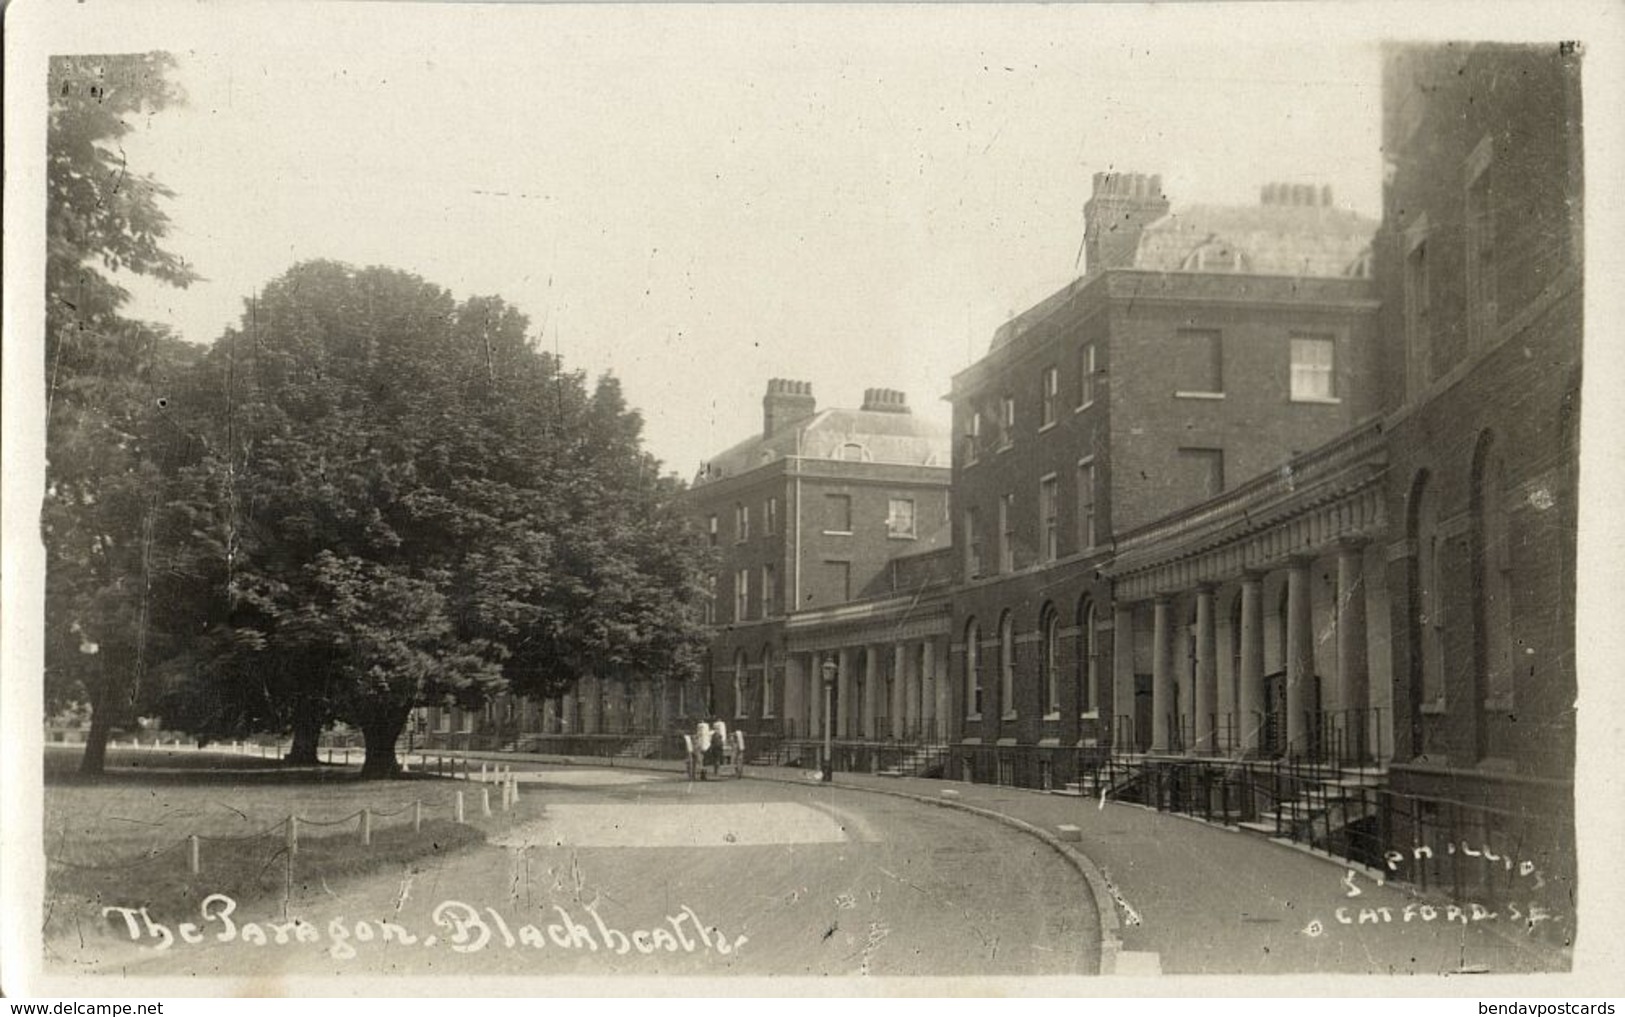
380,736
307,731
94,762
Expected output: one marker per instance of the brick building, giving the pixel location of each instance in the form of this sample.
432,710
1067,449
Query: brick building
828,527
1204,347
1479,268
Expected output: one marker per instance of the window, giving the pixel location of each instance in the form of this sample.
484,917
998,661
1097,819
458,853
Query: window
900,518
840,579
1086,504
1051,382
1199,362
711,530
1086,376
1204,470
443,720
837,513
741,673
1007,422
741,523
973,669
1050,636
1493,584
853,452
741,595
973,544
770,516
1428,599
1049,506
1007,533
1007,665
1313,368
1482,314
711,600
1088,663
973,438
1418,313
769,589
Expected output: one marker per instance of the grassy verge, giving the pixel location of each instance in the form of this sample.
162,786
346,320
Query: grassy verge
122,839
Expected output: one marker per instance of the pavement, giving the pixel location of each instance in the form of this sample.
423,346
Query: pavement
1177,895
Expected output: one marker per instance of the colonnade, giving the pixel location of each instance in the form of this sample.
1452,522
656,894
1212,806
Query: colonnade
895,690
1315,712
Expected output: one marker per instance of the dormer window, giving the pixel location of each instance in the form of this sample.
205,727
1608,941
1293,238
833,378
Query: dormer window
1216,255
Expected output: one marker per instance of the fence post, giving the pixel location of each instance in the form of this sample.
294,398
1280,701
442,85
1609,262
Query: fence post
417,816
194,861
482,771
293,835
459,807
485,800
515,782
366,825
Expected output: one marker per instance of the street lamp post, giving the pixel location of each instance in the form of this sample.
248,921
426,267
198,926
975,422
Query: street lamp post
828,671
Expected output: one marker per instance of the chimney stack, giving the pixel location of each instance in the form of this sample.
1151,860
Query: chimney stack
885,400
1298,195
1121,206
785,403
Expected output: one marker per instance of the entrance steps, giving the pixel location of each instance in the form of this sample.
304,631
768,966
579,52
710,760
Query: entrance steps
640,748
916,762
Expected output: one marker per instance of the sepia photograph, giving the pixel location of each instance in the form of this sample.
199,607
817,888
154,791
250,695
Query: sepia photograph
790,500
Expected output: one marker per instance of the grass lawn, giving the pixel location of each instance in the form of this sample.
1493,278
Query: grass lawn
122,838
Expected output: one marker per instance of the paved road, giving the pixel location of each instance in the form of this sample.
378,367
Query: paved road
647,874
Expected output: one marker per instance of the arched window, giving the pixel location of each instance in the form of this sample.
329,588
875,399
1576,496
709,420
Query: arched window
741,666
1049,628
1493,574
1088,659
1427,596
767,681
1007,664
973,669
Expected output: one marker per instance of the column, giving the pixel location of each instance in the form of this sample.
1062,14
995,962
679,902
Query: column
843,693
1127,739
871,689
1162,675
939,701
790,709
1353,695
1250,706
913,695
1207,673
815,695
899,689
1300,656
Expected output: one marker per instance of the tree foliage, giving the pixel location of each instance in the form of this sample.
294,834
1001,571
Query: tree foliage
109,427
404,502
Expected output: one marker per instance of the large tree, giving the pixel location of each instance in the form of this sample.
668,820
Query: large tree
108,384
406,503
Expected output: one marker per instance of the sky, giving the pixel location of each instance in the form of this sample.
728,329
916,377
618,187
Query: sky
700,199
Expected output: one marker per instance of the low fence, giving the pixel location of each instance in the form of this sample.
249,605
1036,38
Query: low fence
456,807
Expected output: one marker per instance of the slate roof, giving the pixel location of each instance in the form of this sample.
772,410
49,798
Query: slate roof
882,437
1314,240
